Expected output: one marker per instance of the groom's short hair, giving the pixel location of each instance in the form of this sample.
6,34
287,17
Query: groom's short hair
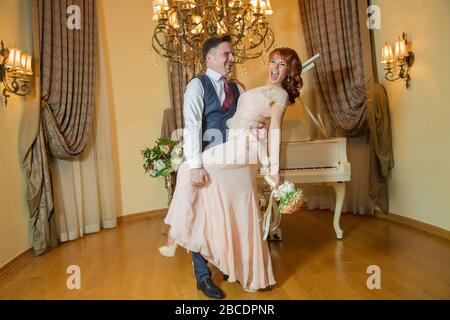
213,43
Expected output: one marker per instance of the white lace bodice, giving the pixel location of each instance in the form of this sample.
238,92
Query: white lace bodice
254,106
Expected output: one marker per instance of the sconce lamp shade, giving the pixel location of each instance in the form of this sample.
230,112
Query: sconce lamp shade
400,49
18,60
27,67
11,62
386,54
23,61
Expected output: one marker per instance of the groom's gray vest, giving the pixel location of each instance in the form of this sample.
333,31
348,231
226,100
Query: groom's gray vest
213,116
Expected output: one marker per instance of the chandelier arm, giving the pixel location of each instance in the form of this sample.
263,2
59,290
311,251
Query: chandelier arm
165,52
261,40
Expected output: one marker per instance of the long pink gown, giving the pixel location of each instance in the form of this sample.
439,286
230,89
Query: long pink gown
222,220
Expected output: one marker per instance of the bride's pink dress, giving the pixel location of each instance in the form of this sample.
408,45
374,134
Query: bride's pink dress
222,220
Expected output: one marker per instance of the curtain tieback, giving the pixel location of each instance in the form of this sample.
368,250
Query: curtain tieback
44,104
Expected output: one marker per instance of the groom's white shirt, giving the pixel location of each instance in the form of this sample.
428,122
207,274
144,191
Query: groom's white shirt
193,114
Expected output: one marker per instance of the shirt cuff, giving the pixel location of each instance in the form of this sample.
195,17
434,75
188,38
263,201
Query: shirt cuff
195,164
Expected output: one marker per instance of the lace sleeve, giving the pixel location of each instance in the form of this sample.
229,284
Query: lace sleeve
279,96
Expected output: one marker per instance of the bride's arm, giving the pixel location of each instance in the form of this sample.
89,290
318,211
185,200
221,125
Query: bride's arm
276,122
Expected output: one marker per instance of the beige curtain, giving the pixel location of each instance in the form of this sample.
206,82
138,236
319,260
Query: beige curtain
179,76
65,82
355,104
85,187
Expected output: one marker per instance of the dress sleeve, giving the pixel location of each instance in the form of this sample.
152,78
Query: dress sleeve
279,96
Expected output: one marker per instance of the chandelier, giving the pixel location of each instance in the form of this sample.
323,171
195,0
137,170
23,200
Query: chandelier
184,25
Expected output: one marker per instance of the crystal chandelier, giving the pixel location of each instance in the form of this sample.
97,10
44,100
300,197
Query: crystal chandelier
184,25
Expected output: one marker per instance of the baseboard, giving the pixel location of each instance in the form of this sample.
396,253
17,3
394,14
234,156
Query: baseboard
141,215
11,264
415,224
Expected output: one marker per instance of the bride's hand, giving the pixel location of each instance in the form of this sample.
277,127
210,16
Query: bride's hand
259,130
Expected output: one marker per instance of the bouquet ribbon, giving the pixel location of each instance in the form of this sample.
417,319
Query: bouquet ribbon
269,225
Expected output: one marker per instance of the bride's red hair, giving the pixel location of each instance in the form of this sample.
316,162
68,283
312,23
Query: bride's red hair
293,82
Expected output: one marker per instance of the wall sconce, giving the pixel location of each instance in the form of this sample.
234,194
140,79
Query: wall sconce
15,72
398,62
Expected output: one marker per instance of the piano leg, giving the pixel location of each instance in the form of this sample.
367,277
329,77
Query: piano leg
339,189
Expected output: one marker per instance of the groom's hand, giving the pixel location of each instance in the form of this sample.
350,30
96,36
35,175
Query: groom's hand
199,177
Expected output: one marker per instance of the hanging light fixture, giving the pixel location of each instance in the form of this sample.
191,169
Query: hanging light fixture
184,25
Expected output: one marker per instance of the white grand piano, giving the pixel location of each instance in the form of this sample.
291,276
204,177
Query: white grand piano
318,162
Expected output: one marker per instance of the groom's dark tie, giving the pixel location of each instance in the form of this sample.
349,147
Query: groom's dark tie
228,94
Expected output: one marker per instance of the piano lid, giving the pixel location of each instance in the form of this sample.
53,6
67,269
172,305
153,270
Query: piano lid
330,153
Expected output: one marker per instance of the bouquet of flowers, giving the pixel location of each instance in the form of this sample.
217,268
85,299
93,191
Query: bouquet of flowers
164,158
289,198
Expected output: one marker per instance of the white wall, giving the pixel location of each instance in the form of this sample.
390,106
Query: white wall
15,231
420,183
139,94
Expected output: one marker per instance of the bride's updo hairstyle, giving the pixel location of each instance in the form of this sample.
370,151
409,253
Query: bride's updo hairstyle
293,82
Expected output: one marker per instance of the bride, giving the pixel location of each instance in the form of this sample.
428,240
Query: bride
221,221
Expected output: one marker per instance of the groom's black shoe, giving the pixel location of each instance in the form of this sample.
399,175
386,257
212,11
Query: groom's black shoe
210,290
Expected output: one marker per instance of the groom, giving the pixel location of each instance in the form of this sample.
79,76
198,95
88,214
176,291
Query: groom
209,101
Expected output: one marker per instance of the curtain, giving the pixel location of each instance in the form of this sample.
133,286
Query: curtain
63,123
179,76
356,105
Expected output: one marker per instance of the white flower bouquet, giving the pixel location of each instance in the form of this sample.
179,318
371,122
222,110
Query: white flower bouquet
164,158
289,198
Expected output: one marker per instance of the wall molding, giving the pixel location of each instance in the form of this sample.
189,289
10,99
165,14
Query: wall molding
141,215
122,219
416,224
15,261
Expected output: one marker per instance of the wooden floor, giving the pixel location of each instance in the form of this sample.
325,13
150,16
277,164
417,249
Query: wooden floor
309,263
